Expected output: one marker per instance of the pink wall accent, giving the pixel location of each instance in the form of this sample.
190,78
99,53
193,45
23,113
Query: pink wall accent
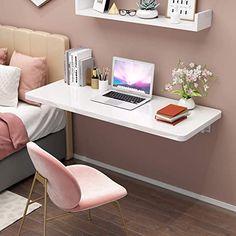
206,163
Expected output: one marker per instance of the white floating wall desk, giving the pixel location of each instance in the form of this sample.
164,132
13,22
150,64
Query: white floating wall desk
203,20
77,100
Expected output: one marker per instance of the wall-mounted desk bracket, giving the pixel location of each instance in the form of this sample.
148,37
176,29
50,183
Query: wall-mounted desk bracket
207,130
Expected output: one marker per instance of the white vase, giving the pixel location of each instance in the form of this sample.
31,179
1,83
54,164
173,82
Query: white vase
189,103
147,14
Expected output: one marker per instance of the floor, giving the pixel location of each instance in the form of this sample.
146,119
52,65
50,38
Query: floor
148,210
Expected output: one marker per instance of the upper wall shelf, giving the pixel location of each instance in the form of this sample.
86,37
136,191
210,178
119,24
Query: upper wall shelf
202,20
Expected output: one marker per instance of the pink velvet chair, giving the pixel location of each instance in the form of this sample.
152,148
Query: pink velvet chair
72,188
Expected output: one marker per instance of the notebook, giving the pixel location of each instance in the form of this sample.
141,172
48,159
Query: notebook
131,84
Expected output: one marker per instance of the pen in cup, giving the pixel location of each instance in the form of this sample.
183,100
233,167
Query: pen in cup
103,79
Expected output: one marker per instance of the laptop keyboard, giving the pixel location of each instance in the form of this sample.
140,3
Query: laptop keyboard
124,97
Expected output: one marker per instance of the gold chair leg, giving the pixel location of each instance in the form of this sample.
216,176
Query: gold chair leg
117,205
27,205
43,181
45,208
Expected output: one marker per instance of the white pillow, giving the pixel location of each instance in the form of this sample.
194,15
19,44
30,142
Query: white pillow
9,83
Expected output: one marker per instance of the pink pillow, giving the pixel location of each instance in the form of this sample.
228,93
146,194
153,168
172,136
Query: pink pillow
33,73
3,56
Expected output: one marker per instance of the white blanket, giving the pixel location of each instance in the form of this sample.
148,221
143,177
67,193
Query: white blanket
38,121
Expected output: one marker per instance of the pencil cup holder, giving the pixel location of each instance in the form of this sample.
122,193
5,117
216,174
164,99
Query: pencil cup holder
94,83
103,85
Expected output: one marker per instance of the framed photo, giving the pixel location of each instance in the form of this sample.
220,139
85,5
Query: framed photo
186,8
101,5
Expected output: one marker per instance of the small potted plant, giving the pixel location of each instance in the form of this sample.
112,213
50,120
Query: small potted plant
147,9
191,80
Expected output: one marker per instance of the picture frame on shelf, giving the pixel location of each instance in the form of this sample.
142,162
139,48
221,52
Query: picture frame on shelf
101,5
185,8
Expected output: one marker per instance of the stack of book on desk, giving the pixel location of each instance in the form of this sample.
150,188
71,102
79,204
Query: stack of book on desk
78,65
172,114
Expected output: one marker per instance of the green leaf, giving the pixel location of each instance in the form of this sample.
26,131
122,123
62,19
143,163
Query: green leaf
178,92
196,94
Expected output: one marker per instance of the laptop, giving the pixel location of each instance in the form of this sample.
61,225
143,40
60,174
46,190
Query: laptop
132,84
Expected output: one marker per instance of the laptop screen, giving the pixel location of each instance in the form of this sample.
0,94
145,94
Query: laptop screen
133,76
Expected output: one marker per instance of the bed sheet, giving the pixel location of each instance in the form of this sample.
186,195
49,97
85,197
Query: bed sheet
38,121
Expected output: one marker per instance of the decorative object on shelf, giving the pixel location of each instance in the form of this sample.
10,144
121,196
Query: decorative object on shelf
113,10
186,8
192,80
39,3
147,9
101,5
124,12
175,16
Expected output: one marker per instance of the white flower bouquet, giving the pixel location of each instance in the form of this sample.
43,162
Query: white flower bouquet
191,80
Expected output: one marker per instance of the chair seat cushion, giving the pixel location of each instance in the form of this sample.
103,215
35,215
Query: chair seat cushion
96,188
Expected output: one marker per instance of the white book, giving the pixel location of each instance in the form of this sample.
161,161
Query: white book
71,70
78,55
172,119
66,73
67,65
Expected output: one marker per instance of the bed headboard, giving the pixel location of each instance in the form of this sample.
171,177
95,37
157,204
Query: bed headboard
38,44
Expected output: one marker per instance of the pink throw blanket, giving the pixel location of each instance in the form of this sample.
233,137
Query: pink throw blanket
13,135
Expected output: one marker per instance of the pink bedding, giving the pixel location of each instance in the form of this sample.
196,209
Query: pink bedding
13,135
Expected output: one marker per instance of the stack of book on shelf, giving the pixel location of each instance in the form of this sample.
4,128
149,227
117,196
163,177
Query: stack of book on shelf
78,65
172,114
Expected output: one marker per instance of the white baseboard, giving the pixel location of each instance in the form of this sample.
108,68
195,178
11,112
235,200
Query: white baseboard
158,183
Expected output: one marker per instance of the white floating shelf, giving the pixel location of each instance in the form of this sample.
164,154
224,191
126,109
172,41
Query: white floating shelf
202,20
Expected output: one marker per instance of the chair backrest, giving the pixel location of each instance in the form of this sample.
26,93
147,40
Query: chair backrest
63,189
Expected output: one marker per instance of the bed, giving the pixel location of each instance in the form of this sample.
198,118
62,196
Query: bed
18,166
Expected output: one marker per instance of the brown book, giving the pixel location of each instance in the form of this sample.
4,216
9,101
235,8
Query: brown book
170,118
172,110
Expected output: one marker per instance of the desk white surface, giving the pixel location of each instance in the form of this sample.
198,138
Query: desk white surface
77,100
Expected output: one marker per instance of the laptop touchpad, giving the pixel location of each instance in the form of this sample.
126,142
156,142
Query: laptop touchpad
113,102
